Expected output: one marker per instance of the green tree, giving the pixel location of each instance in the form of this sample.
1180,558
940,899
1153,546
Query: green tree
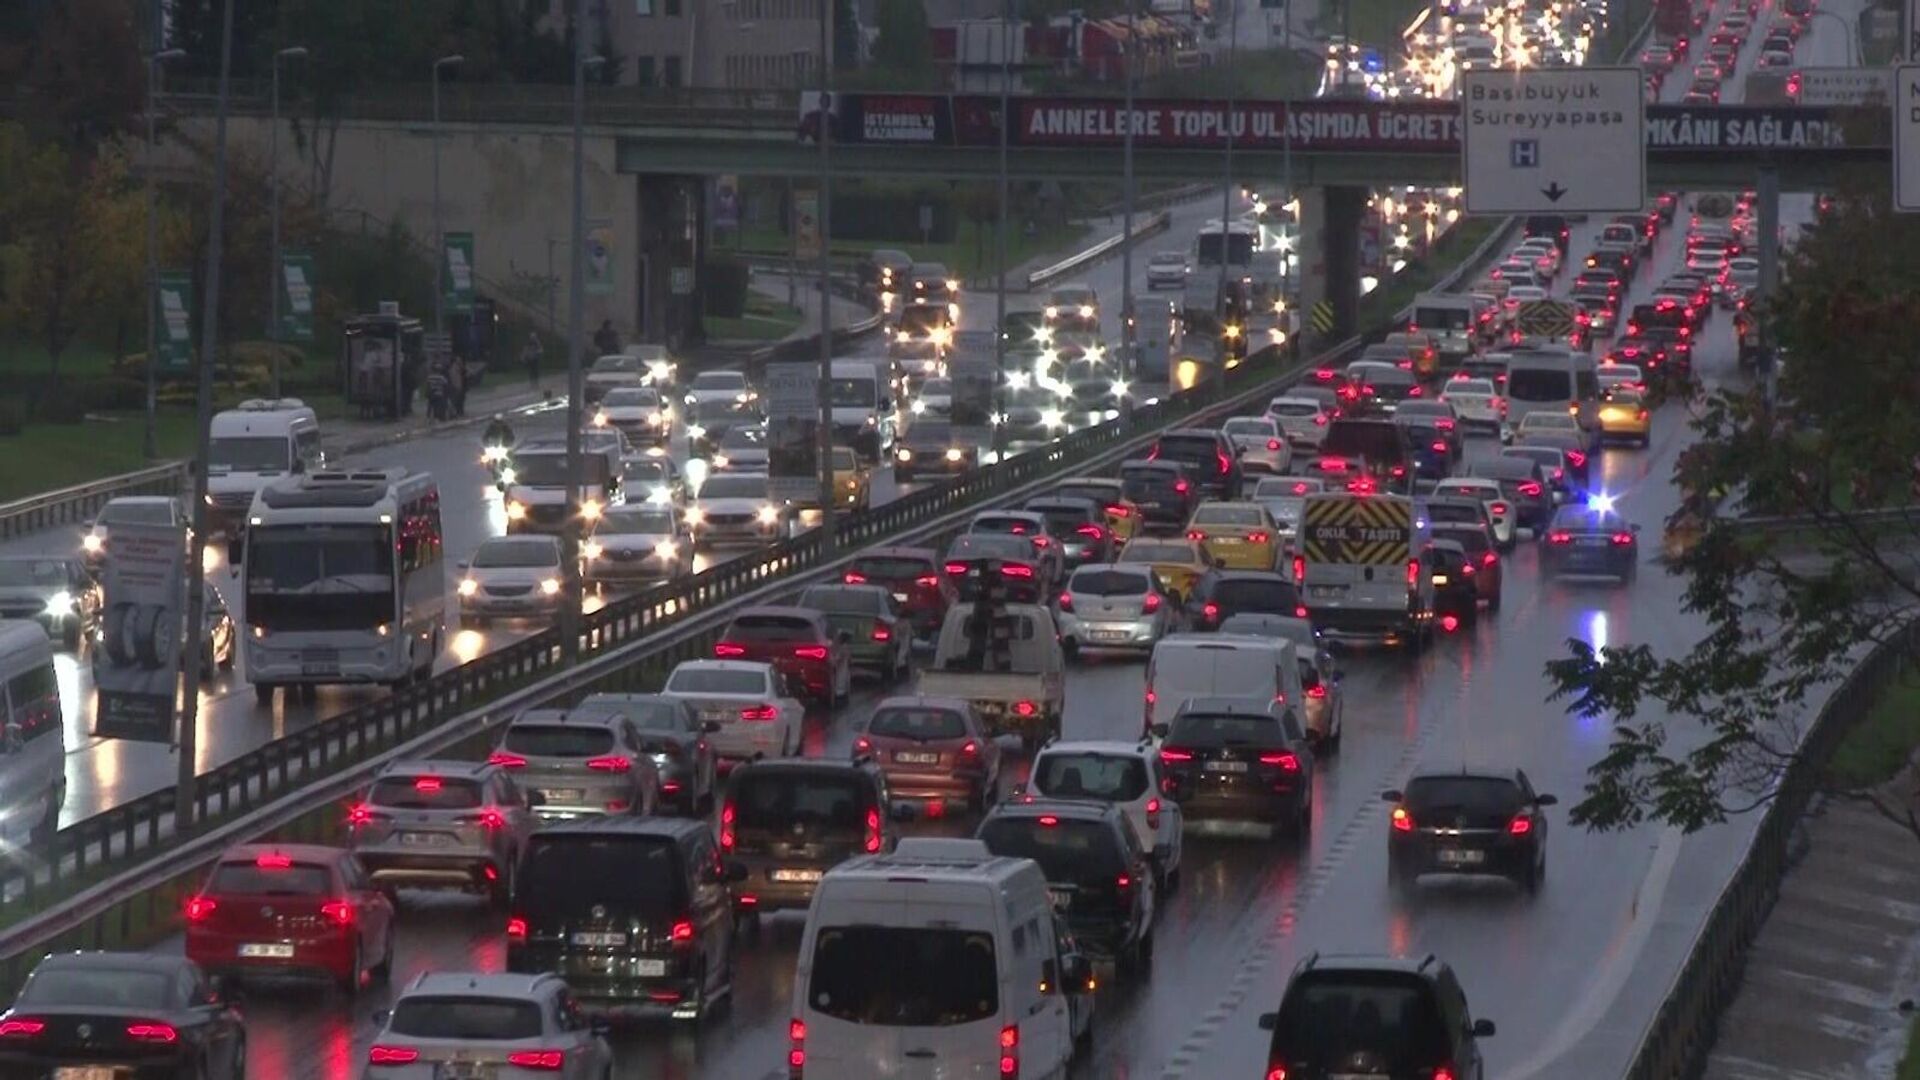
846,36
904,42
1787,614
84,75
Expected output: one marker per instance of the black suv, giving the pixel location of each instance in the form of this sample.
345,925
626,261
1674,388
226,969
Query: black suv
1219,595
635,913
1210,457
1467,822
1098,874
1551,226
788,821
1078,525
1377,1016
1163,490
1356,448
1239,760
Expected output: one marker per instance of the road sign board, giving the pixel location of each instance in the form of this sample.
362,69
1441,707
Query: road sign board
1553,140
1906,138
1845,86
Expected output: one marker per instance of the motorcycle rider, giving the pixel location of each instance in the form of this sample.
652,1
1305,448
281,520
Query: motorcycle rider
498,433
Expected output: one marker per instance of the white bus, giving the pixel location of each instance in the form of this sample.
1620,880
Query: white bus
344,580
1552,379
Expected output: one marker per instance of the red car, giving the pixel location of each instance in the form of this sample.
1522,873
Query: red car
797,641
920,590
296,909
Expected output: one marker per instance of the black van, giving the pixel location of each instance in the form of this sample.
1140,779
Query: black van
1374,1015
787,821
635,914
1353,448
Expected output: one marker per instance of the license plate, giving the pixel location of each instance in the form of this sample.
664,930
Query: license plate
464,1070
1109,635
1227,766
1441,579
900,597
425,839
319,667
1460,856
274,951
569,795
1327,591
1593,541
909,758
650,968
85,1072
1061,898
801,877
604,940
721,715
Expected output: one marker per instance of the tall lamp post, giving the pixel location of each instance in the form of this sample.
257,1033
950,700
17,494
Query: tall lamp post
1226,196
999,417
292,52
439,238
576,342
154,61
1128,361
824,382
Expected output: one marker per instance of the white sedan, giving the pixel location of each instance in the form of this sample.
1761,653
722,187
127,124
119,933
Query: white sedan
1262,446
511,577
1476,401
758,713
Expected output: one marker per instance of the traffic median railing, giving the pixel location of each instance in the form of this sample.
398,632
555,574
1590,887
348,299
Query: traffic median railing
78,504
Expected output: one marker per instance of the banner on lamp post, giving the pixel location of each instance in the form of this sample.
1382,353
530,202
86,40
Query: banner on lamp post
599,258
457,273
806,224
296,296
173,322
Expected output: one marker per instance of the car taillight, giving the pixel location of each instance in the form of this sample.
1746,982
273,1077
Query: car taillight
1092,532
152,1031
1439,446
1445,1072
488,819
1278,1072
1284,761
1530,488
359,814
1324,374
956,568
1443,424
1258,537
873,831
796,1046
854,577
1299,569
1025,708
882,633
201,908
1316,691
927,581
1196,535
726,825
1559,537
759,713
724,649
506,760
682,934
1016,570
810,652
1320,419
1153,814
862,745
339,911
610,763
538,1060
1521,825
392,1055
516,928
1010,1051
1043,541
1273,444
1066,601
1489,559
1182,486
1413,573
1150,604
1119,512
1577,458
970,749
1498,507
1622,538
1210,611
1402,821
1175,756
21,1027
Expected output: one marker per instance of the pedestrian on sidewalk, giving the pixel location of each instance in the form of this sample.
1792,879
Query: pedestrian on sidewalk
457,384
437,386
530,355
606,339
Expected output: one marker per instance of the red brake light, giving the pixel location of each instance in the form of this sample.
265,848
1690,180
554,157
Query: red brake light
1092,532
428,784
1151,604
199,909
862,745
1521,825
506,760
1499,507
882,633
1530,488
1049,821
273,862
1439,446
1286,761
927,581
1182,486
1258,537
1025,708
970,748
726,825
1577,458
1445,1072
1490,559
1324,374
1175,755
1316,691
340,911
1196,535
810,652
152,1031
1016,570
1443,424
516,929
854,577
539,1060
359,814
1010,1050
956,568
1413,573
1273,444
759,712
1066,601
1402,821
1623,538
1119,512
1299,569
489,818
392,1055
610,763
682,932
1320,419
725,649
1558,537
1210,611
21,1028
873,831
796,1044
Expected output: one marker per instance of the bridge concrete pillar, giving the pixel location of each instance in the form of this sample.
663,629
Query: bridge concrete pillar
671,259
1345,208
1310,257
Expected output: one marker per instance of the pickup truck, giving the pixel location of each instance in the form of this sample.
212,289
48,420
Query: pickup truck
1008,663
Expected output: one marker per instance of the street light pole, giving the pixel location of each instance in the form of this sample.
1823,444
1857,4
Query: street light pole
999,417
294,52
194,578
439,237
154,61
1226,195
824,387
1128,362
572,594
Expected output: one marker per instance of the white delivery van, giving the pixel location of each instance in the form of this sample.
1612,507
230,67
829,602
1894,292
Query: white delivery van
251,445
939,959
1552,379
33,753
535,483
1451,320
1219,665
1356,566
862,397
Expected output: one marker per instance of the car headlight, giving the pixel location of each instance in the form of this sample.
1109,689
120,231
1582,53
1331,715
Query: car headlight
1086,311
550,586
62,602
954,453
600,418
592,550
1052,312
768,515
1051,417
953,284
590,509
91,543
468,586
918,406
903,454
873,421
695,515
667,549
742,399
516,511
721,461
696,431
508,476
689,399
660,494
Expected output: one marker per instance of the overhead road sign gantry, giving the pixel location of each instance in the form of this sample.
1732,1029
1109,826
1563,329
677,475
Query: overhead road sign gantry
1553,140
1906,138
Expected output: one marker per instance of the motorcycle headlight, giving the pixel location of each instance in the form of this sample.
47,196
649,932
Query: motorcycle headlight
590,509
468,586
954,453
91,543
508,476
768,515
592,549
516,511
61,603
550,586
695,515
667,549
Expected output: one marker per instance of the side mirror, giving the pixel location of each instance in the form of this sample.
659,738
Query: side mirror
1159,730
1017,791
1483,1029
535,798
1393,795
903,812
708,727
1635,527
1077,972
381,1016
844,637
736,872
1546,800
1269,1021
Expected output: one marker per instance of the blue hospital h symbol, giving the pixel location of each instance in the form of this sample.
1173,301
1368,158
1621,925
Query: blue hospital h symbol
1525,153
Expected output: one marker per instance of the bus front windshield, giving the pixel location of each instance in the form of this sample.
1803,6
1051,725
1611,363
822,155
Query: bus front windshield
319,577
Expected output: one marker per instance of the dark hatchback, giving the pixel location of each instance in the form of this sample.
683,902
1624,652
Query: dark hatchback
1098,874
1374,1016
1219,595
1163,490
788,821
634,913
1210,458
1523,485
87,1014
1239,760
914,577
1467,822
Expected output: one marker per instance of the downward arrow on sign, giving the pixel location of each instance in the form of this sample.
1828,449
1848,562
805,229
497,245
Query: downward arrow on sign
1553,191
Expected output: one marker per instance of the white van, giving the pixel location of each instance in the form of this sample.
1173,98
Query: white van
939,952
1451,319
1219,665
863,408
251,445
535,484
1552,379
33,750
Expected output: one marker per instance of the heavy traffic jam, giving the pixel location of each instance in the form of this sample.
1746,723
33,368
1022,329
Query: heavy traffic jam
877,811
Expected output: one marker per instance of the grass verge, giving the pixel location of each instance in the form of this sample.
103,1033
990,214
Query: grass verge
1876,750
46,457
765,319
970,254
1910,1061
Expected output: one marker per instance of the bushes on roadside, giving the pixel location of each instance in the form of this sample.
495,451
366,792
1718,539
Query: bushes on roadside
12,418
726,292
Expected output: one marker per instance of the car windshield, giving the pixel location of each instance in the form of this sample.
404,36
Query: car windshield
465,1019
567,876
904,976
779,798
1328,1019
917,723
548,469
28,573
931,433
776,628
843,600
1110,777
270,875
632,397
516,554
734,487
717,681
558,740
99,987
636,521
1091,581
617,365
249,453
1067,848
140,513
426,792
1159,553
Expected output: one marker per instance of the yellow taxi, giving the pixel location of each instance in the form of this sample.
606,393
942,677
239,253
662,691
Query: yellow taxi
1177,562
1122,513
1241,535
852,482
1624,416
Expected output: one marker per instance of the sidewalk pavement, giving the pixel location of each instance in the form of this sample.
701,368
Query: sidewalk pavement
1825,980
503,390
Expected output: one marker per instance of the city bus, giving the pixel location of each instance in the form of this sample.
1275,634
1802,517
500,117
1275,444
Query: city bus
344,580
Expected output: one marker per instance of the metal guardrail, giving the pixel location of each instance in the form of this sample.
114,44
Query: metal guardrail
77,504
1681,1034
1155,224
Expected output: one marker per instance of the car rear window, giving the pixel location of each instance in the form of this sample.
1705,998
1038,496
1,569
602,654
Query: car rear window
1329,1019
1371,439
1293,408
1473,541
1222,730
1188,448
558,740
1068,849
1091,776
1062,521
1168,553
1001,525
465,1019
125,988
1228,515
717,681
1469,793
891,568
1274,595
1146,482
900,976
922,725
566,876
252,878
769,800
426,793
772,628
1440,512
1108,583
844,601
